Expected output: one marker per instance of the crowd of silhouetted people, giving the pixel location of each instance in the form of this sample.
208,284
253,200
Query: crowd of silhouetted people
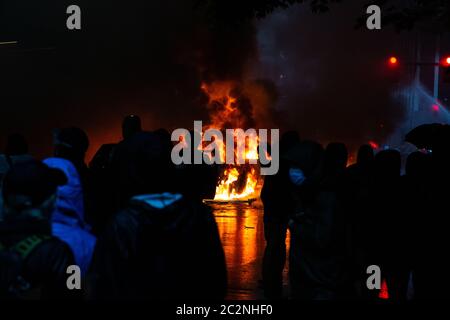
131,221
135,224
343,220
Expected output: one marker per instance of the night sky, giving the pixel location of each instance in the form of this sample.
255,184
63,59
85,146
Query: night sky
149,57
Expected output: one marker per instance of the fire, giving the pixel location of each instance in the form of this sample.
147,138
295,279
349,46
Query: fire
226,189
229,108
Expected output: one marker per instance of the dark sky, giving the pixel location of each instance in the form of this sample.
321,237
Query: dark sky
149,57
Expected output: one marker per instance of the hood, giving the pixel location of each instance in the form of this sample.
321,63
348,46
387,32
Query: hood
165,210
156,201
69,204
305,155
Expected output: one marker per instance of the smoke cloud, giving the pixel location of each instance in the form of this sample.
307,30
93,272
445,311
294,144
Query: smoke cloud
333,80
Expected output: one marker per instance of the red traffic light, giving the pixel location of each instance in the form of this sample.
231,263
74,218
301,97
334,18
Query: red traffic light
446,61
393,61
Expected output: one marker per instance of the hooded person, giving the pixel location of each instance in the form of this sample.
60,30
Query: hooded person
33,263
72,143
161,244
68,223
315,267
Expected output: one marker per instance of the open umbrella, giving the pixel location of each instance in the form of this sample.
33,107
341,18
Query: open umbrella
427,136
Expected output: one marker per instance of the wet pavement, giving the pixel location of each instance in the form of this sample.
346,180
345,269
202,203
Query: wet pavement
241,230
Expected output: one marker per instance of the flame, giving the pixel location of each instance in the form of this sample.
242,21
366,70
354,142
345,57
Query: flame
226,189
238,181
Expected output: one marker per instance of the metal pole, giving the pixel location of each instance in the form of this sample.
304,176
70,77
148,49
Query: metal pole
416,84
437,58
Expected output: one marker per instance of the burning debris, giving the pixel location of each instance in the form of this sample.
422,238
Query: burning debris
228,108
237,183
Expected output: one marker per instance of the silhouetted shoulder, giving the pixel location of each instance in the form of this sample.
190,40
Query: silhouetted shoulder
52,255
45,269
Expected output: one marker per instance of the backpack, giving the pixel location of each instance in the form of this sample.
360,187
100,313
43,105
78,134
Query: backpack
12,284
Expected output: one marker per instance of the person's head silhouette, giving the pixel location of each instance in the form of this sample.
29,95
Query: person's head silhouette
365,155
130,126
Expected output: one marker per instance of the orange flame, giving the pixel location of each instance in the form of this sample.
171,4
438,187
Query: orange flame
224,111
226,190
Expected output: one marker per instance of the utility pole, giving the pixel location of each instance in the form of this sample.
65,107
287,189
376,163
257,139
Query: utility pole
414,107
437,59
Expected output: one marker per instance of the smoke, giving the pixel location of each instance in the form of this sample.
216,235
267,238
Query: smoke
332,79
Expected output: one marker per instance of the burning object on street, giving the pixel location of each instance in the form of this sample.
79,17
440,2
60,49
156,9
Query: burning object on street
243,155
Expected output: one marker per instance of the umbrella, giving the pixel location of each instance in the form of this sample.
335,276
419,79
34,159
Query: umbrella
427,136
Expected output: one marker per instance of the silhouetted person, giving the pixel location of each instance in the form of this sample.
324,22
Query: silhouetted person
103,187
384,227
161,245
365,156
33,263
72,143
130,126
103,157
201,179
334,161
414,195
278,206
431,279
360,172
104,167
16,151
103,178
317,239
68,222
357,202
288,139
101,161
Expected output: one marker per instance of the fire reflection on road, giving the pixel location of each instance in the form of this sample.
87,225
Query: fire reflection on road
241,230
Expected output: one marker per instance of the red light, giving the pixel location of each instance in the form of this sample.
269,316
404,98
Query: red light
384,292
393,61
446,61
373,144
435,107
